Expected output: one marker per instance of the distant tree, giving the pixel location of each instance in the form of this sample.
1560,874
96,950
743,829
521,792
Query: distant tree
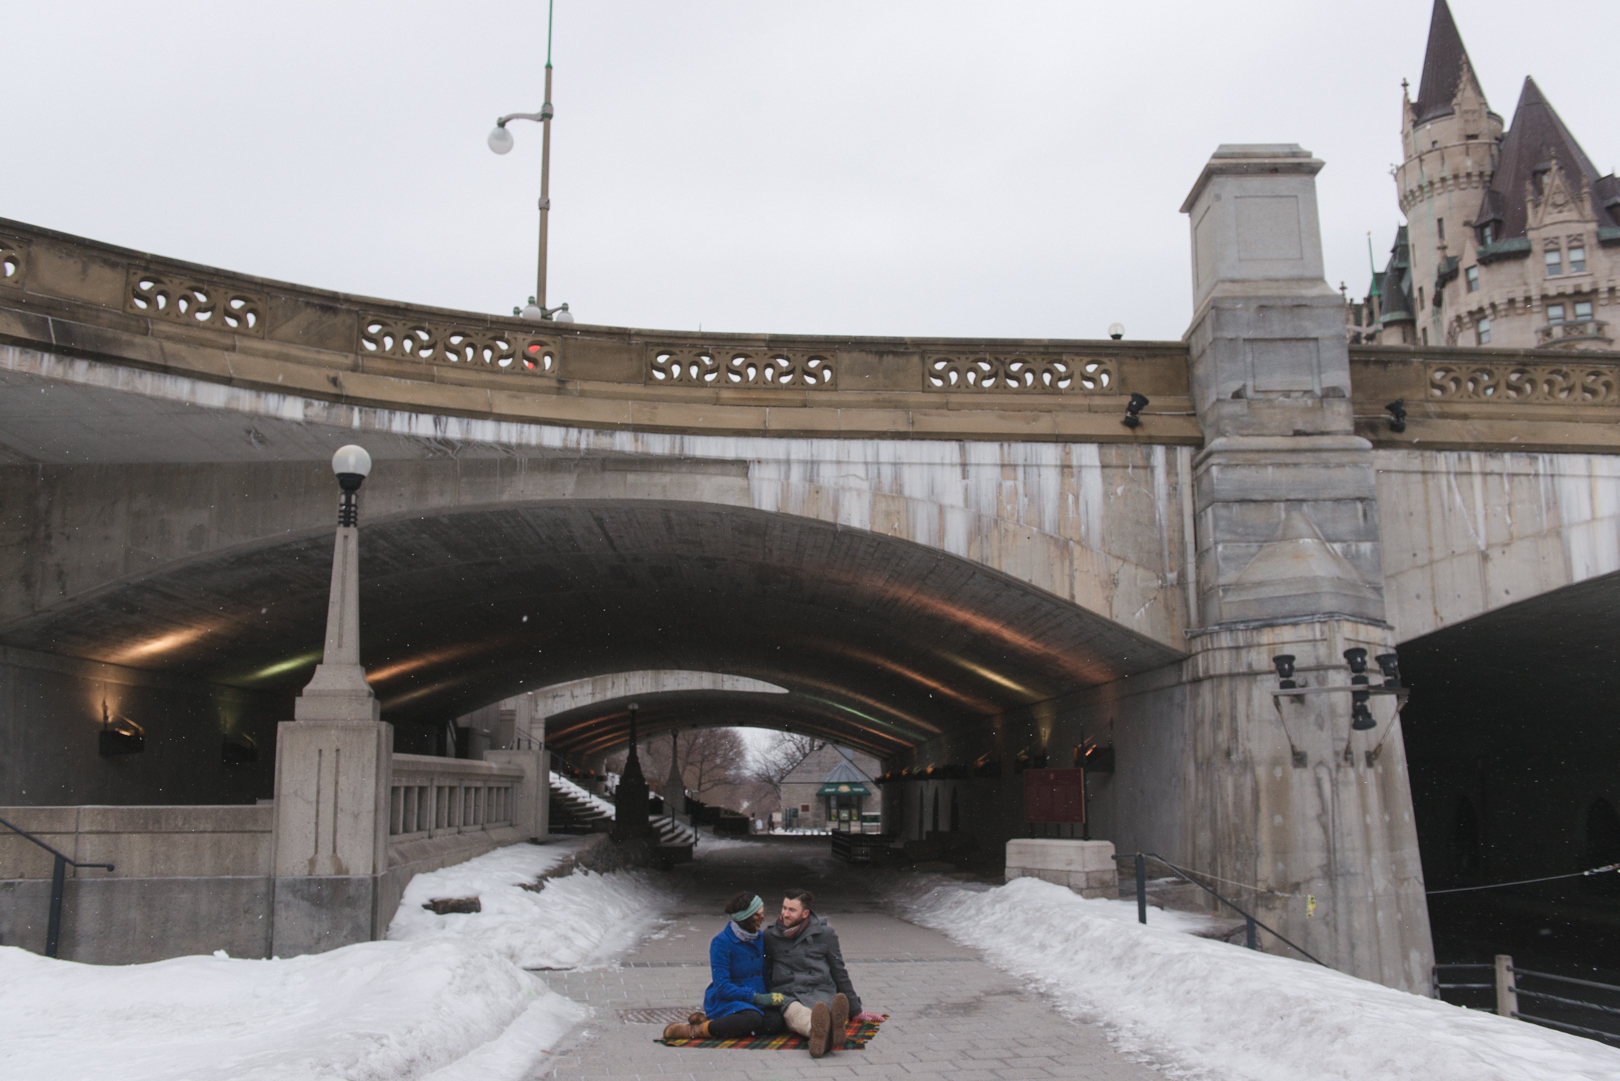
784,754
713,761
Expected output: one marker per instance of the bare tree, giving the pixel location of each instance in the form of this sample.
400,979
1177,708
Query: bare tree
773,762
712,762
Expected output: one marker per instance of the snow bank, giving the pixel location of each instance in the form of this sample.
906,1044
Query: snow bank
579,920
370,1011
1209,1010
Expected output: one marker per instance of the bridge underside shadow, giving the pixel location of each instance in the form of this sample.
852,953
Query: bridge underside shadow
1511,741
882,644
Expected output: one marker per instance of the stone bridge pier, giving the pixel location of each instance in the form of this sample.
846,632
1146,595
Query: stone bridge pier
951,554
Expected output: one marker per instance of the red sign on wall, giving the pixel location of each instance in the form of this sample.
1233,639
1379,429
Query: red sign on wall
1054,795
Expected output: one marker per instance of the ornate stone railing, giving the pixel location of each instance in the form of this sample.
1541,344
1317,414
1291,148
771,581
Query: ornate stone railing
1488,398
68,296
432,797
1582,330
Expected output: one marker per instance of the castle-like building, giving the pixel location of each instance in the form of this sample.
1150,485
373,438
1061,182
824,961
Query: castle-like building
1512,237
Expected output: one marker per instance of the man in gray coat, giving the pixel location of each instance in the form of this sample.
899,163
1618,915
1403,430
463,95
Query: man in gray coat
806,971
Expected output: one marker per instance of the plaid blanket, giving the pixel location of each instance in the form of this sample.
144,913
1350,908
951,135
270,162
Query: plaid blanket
856,1033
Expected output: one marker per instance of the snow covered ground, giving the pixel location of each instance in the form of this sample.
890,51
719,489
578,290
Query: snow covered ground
1202,1009
576,921
445,999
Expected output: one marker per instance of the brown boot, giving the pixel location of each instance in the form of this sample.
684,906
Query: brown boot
820,1028
696,1018
678,1030
839,1026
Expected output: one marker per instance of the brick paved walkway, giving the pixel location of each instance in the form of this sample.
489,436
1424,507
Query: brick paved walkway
950,1014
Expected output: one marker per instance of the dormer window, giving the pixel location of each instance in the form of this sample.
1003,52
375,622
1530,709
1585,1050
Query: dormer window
1487,233
1555,262
1577,258
1471,276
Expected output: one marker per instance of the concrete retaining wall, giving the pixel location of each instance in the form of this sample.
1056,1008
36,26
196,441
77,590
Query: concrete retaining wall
1086,867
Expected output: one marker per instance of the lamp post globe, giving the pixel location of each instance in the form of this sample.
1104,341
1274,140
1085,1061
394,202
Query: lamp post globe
500,140
351,461
1116,331
563,315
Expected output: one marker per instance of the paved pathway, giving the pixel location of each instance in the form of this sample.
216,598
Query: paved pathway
950,1014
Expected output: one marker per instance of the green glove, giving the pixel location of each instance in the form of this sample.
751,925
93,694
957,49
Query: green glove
772,999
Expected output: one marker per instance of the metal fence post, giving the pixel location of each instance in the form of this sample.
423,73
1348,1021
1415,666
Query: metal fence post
1507,995
1141,889
53,929
1249,938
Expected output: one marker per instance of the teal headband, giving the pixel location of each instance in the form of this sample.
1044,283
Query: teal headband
754,906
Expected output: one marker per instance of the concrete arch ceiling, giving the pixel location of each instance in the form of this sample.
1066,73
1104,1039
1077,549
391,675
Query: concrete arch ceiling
880,642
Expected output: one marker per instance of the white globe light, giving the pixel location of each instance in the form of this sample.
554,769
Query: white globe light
500,140
532,311
1116,330
351,459
563,315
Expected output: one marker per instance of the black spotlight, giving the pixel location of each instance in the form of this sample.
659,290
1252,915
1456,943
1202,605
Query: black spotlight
1285,670
1357,660
1361,718
1390,665
1397,414
1134,409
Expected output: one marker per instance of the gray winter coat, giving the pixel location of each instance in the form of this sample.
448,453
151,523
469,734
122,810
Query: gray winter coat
808,966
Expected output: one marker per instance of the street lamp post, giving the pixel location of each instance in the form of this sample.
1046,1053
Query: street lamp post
500,141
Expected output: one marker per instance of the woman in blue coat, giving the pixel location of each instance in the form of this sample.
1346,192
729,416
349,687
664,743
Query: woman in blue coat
737,1002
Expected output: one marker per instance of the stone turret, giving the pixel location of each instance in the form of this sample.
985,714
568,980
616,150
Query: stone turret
1449,137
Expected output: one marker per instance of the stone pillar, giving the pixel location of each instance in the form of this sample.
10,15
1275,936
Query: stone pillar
531,801
674,784
1288,562
333,771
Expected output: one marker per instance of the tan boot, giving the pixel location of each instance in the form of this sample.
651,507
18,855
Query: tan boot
839,1025
820,1029
696,1018
678,1030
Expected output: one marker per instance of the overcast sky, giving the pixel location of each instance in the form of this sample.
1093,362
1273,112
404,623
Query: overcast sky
938,168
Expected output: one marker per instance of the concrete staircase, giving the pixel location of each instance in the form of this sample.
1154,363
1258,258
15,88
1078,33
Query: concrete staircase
574,810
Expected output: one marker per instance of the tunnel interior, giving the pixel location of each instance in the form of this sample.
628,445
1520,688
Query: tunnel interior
1512,744
881,644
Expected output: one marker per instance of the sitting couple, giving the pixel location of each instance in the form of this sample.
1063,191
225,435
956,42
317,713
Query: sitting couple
789,975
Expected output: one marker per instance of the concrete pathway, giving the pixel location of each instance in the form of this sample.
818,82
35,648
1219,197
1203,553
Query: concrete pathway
950,1014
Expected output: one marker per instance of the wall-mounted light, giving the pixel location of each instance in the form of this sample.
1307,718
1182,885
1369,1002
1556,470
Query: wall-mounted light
1390,665
120,735
1361,718
1133,411
1284,663
1094,759
1397,415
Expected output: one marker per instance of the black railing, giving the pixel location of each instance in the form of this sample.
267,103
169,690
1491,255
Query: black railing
53,929
1506,986
1249,921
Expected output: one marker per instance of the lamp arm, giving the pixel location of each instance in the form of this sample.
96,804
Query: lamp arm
538,117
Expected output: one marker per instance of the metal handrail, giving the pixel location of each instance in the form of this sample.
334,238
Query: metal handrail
53,929
1251,922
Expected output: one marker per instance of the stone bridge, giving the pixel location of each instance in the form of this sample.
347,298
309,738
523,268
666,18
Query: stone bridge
954,554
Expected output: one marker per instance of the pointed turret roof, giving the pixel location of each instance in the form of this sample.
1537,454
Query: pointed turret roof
1535,140
1442,65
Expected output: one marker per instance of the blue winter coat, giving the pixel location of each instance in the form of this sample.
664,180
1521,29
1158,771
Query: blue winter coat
738,971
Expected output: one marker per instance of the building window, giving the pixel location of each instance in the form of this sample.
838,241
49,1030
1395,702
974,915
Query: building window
1471,275
1482,331
1577,259
1425,333
1555,262
1440,227
1555,313
1420,298
1487,233
1583,311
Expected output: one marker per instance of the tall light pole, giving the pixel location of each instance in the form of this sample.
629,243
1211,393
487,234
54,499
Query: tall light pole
500,141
